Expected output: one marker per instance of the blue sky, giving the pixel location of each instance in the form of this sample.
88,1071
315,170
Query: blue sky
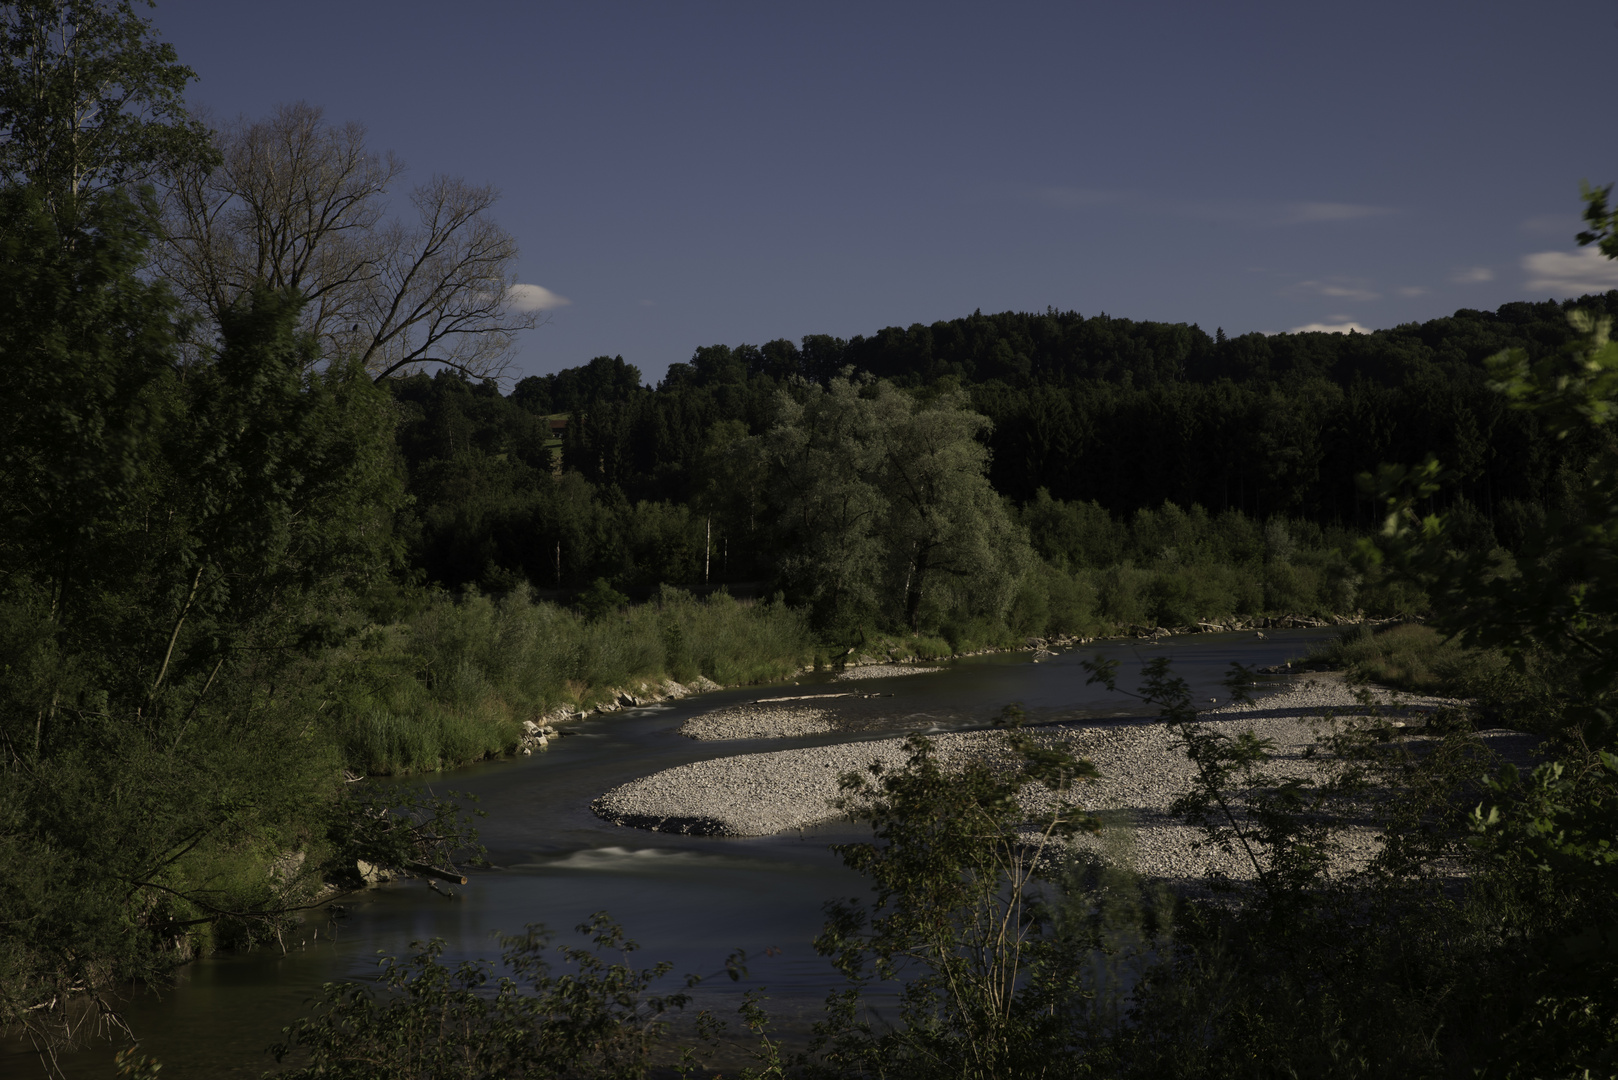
699,173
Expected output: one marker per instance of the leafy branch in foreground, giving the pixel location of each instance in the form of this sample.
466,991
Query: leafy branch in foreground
428,1021
956,865
402,830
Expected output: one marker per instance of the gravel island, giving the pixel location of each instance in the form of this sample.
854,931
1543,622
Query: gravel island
1142,772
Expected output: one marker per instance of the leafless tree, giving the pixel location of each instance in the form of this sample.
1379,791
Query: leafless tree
299,202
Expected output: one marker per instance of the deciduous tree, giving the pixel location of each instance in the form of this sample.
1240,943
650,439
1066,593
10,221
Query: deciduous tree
300,203
90,100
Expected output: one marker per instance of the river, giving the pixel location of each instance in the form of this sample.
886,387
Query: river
689,900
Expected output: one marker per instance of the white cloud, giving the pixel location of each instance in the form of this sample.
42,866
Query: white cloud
1330,328
1571,273
527,298
1412,290
1472,275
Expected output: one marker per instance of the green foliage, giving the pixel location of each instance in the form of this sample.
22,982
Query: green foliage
1418,961
426,1020
454,681
1412,657
1557,596
883,511
601,599
399,829
177,546
986,991
1602,219
1552,609
90,102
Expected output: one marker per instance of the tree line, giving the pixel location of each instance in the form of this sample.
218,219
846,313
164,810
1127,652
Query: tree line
646,484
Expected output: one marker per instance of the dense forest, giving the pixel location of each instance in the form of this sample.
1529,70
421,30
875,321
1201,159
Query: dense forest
1099,418
252,552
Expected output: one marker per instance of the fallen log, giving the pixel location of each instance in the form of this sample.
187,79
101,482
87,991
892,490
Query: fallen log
432,871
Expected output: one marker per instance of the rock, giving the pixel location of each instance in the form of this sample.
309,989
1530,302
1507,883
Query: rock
370,873
285,868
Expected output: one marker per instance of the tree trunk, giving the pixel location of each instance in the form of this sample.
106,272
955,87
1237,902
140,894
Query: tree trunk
913,590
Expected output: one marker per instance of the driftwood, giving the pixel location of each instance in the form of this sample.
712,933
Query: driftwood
432,871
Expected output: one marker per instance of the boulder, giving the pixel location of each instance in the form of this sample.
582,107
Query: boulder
371,873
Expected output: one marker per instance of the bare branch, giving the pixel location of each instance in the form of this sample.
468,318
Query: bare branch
301,203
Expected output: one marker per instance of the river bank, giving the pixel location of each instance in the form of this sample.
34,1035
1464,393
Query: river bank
687,899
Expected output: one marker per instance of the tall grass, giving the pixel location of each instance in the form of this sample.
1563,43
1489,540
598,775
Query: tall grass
453,681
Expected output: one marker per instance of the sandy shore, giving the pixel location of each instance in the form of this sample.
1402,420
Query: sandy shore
1142,772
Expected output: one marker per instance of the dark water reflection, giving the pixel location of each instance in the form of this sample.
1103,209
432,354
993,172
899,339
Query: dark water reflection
690,900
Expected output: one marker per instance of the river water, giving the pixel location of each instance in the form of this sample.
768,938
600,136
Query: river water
689,900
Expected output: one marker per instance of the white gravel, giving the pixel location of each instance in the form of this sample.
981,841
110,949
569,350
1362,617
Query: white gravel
758,720
883,671
1142,768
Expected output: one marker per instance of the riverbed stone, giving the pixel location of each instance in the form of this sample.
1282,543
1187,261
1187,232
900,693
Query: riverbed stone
1142,765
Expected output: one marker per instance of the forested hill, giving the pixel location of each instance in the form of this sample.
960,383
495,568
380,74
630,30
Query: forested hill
1125,414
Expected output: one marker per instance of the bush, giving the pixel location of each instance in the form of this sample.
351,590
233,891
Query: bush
1410,656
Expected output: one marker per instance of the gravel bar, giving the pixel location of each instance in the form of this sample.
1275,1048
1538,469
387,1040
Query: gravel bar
1143,771
759,720
848,712
883,671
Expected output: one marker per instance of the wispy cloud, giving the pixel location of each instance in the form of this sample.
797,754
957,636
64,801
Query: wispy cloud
1564,225
1571,273
1270,215
1412,290
1349,327
1338,288
1303,212
526,298
1251,212
1472,275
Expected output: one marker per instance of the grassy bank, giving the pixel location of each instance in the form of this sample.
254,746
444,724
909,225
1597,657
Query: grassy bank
452,680
442,681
